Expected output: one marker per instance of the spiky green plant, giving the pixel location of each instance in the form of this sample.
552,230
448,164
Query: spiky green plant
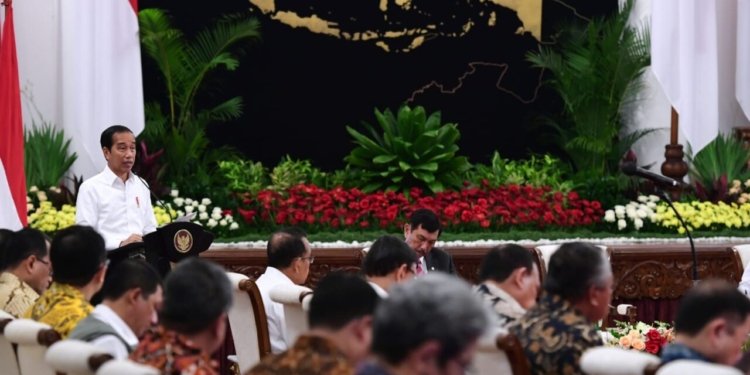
595,70
46,155
720,162
184,66
410,149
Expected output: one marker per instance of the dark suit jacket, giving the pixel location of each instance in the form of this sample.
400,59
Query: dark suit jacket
439,260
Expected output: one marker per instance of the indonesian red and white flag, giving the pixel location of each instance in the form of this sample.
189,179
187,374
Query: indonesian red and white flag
743,55
693,56
101,75
12,177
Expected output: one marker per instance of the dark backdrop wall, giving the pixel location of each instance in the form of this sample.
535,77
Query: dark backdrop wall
301,88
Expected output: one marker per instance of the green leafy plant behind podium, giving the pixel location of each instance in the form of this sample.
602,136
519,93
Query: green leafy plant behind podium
46,155
409,149
177,124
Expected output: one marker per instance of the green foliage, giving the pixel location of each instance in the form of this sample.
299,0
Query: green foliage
184,65
244,175
604,188
538,171
290,172
595,71
46,155
722,160
410,149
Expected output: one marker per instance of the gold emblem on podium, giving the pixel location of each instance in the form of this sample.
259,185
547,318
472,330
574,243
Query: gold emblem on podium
183,241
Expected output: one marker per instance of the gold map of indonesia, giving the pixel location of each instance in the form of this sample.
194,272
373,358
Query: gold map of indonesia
529,13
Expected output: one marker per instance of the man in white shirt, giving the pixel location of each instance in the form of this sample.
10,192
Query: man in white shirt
388,262
116,202
132,295
289,259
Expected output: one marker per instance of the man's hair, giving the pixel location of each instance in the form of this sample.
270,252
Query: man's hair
426,219
433,307
574,268
285,245
77,253
498,264
5,236
340,298
130,274
106,138
708,300
196,293
387,254
23,244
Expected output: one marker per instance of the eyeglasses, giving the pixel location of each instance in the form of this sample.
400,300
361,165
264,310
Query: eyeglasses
311,258
46,263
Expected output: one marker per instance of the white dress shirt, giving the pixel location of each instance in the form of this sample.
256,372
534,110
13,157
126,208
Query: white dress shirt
274,310
109,343
382,293
114,208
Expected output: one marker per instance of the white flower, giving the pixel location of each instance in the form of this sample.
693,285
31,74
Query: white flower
216,215
609,216
29,207
621,224
216,209
28,199
195,204
620,211
179,201
642,213
201,208
631,212
188,202
42,196
653,198
203,216
55,189
223,222
651,205
638,223
642,198
34,189
206,202
211,223
228,217
189,209
174,193
234,226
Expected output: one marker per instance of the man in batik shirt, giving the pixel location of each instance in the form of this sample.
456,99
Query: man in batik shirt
340,319
577,293
79,262
509,282
192,320
26,270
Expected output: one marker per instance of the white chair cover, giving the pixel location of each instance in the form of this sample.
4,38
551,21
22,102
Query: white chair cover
692,367
125,367
744,253
7,353
25,333
72,357
489,359
616,361
242,323
295,313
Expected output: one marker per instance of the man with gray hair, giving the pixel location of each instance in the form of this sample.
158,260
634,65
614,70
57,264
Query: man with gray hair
577,293
445,320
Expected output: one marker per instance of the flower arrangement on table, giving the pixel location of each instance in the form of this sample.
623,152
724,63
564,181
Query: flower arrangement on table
640,336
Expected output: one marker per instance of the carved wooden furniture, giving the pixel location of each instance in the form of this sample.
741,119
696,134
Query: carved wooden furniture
247,319
500,353
32,340
75,357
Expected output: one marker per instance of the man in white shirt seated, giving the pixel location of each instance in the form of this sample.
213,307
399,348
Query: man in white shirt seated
289,259
389,261
509,282
132,295
116,202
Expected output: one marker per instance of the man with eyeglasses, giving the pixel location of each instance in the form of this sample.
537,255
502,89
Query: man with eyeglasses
289,260
421,233
26,270
389,261
80,263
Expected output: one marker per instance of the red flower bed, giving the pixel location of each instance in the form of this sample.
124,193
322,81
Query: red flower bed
471,208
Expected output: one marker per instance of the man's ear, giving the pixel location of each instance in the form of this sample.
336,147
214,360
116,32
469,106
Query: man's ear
717,327
133,295
425,357
401,272
362,327
407,230
519,276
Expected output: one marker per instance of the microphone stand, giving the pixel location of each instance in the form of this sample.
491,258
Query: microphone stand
664,195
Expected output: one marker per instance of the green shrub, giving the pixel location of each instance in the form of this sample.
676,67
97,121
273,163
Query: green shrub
723,160
46,155
290,172
409,150
244,175
537,171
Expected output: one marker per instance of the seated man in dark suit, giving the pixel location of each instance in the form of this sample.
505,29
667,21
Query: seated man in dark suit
421,234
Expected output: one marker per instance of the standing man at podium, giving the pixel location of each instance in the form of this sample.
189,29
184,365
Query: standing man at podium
116,202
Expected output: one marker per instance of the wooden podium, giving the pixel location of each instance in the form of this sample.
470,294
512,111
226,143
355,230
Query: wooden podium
168,244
